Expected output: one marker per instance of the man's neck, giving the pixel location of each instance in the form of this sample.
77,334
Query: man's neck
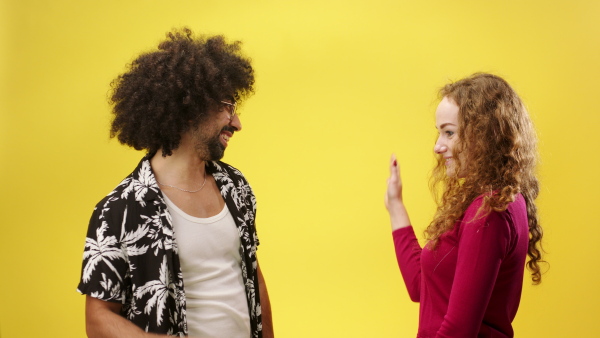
184,167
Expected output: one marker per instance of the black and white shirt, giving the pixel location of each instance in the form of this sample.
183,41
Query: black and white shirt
130,253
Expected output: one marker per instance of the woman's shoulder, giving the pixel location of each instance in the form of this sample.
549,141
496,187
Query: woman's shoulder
518,204
478,210
479,201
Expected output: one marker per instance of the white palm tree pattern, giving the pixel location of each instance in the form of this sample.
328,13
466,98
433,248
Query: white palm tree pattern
159,289
130,253
102,249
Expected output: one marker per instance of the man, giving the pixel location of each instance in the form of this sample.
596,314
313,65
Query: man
172,250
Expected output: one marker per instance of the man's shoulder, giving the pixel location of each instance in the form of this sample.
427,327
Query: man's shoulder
230,178
126,188
227,169
116,200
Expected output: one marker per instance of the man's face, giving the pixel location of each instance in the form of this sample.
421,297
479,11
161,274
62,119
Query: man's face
213,134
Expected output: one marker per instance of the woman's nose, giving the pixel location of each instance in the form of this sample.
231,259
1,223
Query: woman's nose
439,149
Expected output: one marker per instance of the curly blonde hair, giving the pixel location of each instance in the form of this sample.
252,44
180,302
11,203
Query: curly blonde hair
499,141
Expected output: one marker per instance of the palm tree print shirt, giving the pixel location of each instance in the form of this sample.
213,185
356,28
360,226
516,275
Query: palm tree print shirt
130,254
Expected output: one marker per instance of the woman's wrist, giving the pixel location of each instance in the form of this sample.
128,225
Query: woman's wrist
398,215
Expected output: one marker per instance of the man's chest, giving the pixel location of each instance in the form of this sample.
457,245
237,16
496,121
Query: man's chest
205,203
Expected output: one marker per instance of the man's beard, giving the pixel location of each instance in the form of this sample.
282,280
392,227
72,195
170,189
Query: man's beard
216,150
210,149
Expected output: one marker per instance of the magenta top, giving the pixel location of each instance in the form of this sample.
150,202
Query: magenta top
470,286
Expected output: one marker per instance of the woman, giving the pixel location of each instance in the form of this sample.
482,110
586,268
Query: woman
469,275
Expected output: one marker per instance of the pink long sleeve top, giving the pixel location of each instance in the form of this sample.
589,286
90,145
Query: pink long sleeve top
470,285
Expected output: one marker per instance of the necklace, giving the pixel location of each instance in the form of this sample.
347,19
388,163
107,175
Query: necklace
184,190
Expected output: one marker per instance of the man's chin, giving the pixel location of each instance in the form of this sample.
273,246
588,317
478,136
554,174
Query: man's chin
216,155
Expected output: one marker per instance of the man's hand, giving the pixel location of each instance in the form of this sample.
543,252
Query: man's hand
103,320
265,304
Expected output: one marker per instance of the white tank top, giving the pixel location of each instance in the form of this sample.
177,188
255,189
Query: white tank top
216,304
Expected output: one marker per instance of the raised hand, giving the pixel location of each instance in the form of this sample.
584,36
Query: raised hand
393,197
394,184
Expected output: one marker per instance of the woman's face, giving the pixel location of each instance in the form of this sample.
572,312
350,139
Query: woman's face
446,122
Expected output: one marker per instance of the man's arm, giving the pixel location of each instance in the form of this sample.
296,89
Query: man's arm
265,304
103,320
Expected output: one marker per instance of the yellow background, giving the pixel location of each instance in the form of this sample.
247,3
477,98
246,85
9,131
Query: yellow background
340,86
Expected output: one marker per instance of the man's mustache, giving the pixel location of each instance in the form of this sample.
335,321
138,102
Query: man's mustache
229,129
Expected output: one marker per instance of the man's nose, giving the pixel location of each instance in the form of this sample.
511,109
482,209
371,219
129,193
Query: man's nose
236,123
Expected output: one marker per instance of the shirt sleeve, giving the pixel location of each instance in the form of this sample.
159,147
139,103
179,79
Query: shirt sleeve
104,264
484,243
408,255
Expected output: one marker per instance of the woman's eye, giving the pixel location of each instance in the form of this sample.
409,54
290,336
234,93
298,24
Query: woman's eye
449,133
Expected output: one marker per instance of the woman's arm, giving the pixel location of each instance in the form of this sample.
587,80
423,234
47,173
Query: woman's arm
408,255
408,251
484,243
